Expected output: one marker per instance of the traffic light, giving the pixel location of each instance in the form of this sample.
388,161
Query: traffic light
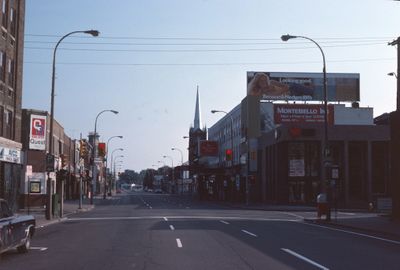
101,149
83,150
228,154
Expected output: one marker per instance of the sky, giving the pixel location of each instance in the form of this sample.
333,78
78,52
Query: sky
151,56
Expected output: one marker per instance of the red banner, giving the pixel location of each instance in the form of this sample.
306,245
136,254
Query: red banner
208,148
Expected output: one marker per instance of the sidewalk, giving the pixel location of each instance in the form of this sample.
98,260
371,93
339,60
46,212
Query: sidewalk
378,223
358,219
70,207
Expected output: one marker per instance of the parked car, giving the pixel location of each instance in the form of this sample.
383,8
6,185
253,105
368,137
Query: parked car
158,190
16,231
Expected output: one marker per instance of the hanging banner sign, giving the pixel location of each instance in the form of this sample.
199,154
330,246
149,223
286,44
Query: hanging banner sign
37,135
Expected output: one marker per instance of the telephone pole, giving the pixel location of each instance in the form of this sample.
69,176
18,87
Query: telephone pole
394,43
395,142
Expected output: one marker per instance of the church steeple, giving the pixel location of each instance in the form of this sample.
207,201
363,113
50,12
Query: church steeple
197,115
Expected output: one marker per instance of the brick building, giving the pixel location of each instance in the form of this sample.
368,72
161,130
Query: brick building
11,64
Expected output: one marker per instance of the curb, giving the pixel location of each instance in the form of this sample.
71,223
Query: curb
352,227
64,218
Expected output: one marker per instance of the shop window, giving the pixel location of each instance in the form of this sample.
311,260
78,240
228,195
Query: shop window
2,66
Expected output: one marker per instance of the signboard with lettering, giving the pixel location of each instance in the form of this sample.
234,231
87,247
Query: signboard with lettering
302,113
208,148
37,136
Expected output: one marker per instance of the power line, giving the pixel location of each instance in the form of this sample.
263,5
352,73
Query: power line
200,50
207,64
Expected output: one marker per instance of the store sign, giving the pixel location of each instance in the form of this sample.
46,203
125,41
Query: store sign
302,113
10,155
303,86
208,148
37,136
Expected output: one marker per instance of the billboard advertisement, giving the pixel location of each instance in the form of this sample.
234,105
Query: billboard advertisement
208,148
37,135
303,86
302,113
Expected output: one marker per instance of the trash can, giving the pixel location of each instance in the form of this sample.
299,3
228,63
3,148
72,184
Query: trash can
322,205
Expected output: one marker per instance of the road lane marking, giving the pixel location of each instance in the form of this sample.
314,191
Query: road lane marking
150,207
166,219
294,215
249,233
180,217
39,248
179,243
171,227
222,221
297,255
355,233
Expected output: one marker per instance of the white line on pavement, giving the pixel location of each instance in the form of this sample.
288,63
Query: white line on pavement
359,234
179,243
166,219
39,248
291,252
171,227
222,221
249,233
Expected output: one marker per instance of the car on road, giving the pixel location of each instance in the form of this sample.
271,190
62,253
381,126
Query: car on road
16,231
158,190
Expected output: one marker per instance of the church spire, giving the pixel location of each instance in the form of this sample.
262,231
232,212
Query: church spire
197,116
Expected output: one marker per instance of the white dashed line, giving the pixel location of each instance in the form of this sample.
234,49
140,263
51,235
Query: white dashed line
166,219
222,221
304,258
171,227
179,243
39,248
249,233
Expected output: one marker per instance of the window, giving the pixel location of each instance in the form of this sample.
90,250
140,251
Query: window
4,9
13,22
2,66
9,123
11,73
1,120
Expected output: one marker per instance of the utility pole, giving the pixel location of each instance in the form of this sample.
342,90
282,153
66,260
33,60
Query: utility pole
394,43
395,142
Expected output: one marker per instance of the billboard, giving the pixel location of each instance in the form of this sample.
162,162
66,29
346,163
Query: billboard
208,148
37,135
303,86
302,113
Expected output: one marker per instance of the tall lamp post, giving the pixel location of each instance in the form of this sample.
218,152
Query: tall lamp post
247,180
94,33
180,151
94,175
111,166
115,162
325,143
172,163
108,143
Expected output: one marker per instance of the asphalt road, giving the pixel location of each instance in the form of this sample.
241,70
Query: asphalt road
157,231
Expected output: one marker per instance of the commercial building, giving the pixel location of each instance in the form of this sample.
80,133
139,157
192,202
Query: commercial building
11,62
278,144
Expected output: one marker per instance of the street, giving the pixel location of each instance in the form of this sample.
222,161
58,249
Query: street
141,230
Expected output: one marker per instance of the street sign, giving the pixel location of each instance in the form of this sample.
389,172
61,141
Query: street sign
49,163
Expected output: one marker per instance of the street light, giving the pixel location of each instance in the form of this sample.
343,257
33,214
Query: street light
107,147
325,144
115,161
94,175
94,33
111,166
180,151
392,74
172,162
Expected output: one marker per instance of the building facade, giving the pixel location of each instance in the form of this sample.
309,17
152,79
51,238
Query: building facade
11,66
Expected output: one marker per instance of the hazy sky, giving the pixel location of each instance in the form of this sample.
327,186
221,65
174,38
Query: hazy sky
152,54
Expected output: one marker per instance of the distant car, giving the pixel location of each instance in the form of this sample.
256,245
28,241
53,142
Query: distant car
158,190
150,190
16,231
118,191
